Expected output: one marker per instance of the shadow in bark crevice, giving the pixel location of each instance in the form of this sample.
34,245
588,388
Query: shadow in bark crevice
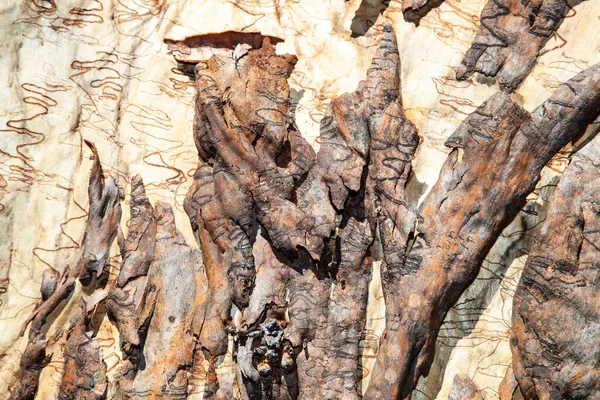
366,15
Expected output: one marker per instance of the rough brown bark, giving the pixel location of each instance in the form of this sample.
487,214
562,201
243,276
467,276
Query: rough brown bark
101,229
510,38
124,301
317,215
555,315
498,154
85,372
287,237
151,302
174,282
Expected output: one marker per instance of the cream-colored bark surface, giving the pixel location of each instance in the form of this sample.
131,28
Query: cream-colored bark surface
99,70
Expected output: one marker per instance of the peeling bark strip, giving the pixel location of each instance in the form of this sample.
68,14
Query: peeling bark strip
199,48
124,301
152,303
497,155
318,215
555,319
174,283
85,371
510,38
101,229
248,159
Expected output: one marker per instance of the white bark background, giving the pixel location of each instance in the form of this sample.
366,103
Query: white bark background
99,70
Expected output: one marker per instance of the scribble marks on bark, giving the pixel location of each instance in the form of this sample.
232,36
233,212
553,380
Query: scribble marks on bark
510,38
497,155
101,229
555,317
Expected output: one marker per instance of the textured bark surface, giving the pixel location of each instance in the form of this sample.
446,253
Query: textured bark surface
511,36
151,303
555,318
498,154
85,371
258,174
101,229
303,214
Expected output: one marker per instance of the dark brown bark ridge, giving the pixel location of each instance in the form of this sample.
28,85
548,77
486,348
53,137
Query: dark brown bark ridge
555,315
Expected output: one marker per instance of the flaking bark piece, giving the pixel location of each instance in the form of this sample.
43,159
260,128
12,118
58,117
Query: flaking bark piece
103,220
347,314
174,282
250,155
33,360
510,38
85,372
141,238
496,158
556,320
415,10
212,308
101,229
328,309
199,48
125,298
49,283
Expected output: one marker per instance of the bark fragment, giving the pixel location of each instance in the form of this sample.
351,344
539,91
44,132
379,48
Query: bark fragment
510,38
174,283
256,170
101,229
85,372
555,315
124,301
498,153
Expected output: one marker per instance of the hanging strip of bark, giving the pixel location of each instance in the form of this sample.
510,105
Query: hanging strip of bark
556,321
174,283
84,376
356,173
250,158
101,229
496,158
510,38
125,298
256,170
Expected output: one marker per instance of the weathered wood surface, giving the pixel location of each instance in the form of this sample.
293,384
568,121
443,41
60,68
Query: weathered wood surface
555,317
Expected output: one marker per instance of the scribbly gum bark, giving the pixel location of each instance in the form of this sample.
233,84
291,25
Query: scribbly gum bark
101,229
288,237
555,317
259,180
150,303
498,153
511,36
